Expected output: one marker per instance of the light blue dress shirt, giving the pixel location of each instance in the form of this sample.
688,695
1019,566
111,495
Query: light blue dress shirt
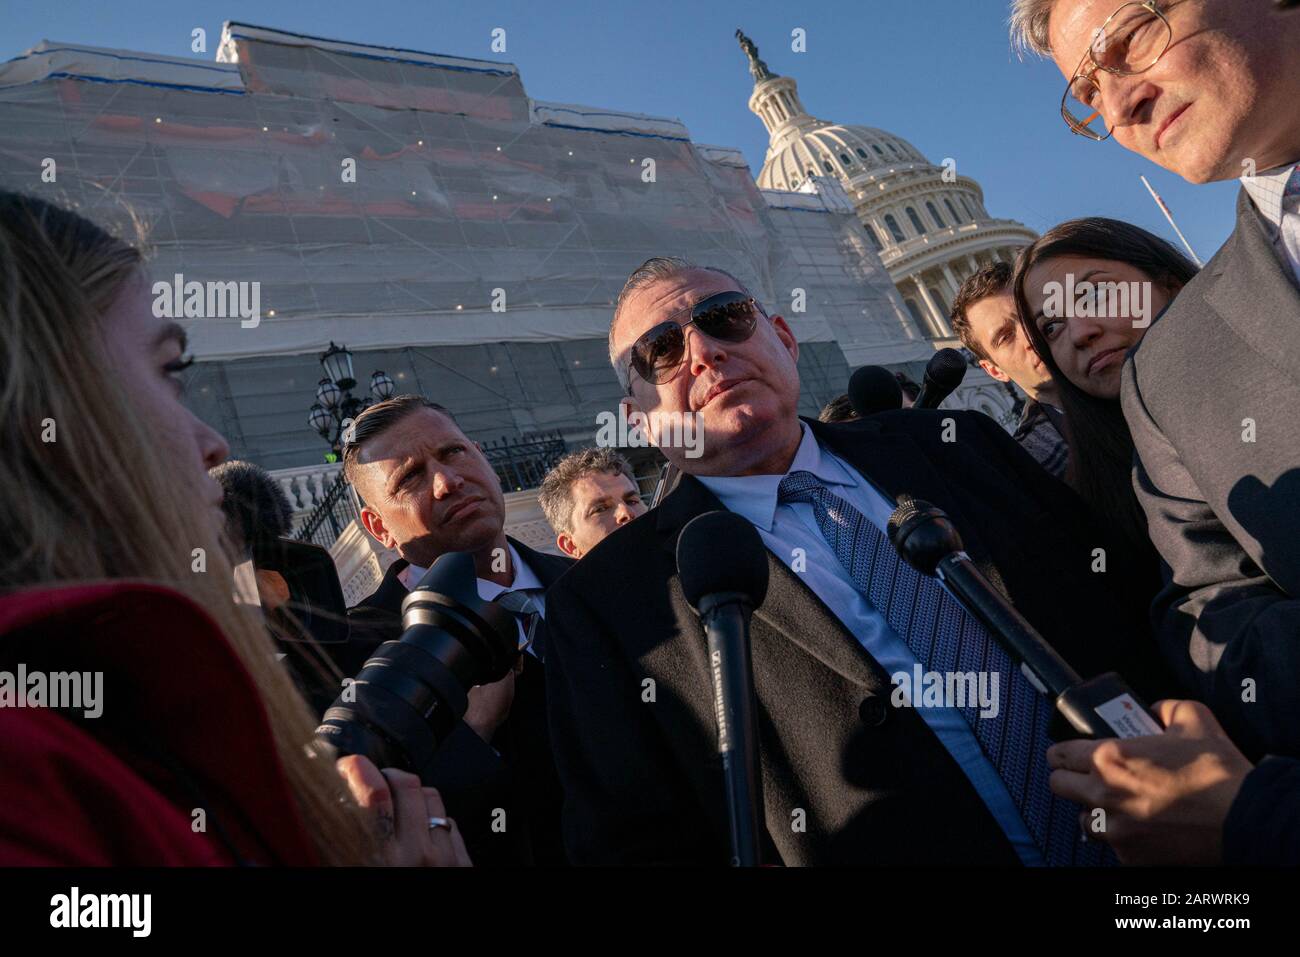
785,527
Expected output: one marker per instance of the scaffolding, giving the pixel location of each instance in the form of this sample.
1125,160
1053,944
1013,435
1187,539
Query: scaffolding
422,206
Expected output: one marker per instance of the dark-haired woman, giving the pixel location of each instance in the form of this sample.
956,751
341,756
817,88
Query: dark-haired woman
1087,290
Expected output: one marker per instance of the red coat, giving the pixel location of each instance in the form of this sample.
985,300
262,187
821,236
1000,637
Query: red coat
182,727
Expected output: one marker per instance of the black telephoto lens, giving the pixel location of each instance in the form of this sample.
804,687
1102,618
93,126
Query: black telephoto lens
411,692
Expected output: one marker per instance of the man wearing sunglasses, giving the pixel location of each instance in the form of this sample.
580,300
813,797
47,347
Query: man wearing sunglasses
1208,89
852,774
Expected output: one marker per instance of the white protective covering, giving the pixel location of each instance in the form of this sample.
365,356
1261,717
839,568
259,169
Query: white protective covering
467,194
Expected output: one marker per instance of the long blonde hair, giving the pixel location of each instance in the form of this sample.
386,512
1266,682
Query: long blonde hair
100,502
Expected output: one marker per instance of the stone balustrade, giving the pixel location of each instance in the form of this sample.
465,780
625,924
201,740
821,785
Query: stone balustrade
306,485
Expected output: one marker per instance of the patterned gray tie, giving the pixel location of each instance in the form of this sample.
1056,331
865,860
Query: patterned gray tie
524,604
946,639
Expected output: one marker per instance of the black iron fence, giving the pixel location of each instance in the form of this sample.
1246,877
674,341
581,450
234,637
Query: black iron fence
325,523
523,462
520,463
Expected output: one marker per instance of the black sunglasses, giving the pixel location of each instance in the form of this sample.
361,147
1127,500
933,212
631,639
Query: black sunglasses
728,317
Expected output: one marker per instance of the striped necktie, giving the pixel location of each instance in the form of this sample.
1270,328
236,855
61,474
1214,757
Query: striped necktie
524,605
946,639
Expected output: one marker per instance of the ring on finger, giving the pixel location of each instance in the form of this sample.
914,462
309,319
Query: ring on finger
437,822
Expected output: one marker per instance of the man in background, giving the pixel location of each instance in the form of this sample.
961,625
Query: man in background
587,495
840,408
984,317
429,490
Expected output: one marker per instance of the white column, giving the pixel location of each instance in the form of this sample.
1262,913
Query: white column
974,263
936,319
956,288
286,483
953,281
305,499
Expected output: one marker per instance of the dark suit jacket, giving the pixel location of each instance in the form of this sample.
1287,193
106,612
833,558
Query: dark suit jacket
516,772
1263,825
846,778
1225,513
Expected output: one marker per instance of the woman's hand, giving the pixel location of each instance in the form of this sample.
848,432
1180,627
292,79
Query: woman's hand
401,808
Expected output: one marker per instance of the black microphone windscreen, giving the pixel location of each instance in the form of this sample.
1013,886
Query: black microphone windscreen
906,509
922,533
721,552
946,368
874,389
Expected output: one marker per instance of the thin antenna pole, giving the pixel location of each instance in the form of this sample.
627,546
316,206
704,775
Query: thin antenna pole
1170,216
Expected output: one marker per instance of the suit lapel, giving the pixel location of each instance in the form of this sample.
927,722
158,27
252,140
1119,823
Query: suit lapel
797,613
894,464
547,568
791,607
1255,293
688,499
391,592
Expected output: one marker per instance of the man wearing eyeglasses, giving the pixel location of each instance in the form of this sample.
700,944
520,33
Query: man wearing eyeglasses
1208,89
853,771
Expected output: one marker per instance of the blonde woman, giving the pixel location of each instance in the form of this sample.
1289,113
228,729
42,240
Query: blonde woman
188,743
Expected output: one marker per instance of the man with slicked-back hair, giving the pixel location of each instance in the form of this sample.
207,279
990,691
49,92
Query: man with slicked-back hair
429,490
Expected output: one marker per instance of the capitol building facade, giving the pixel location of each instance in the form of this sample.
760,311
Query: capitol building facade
466,241
927,223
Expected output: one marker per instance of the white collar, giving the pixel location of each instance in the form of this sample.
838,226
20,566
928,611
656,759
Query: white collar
525,577
1267,190
755,496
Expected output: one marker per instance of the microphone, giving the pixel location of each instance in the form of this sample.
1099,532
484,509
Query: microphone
943,373
874,389
723,569
1102,707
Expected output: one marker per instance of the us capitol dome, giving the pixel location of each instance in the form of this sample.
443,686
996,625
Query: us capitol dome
927,223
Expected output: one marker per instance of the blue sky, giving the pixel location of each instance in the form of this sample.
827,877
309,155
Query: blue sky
939,73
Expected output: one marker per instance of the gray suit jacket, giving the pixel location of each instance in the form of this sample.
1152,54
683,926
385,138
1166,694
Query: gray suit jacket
1212,396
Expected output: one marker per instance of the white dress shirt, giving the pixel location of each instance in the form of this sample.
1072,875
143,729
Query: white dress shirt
525,577
785,527
1277,196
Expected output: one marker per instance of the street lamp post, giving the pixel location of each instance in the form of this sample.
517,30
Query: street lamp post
336,407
